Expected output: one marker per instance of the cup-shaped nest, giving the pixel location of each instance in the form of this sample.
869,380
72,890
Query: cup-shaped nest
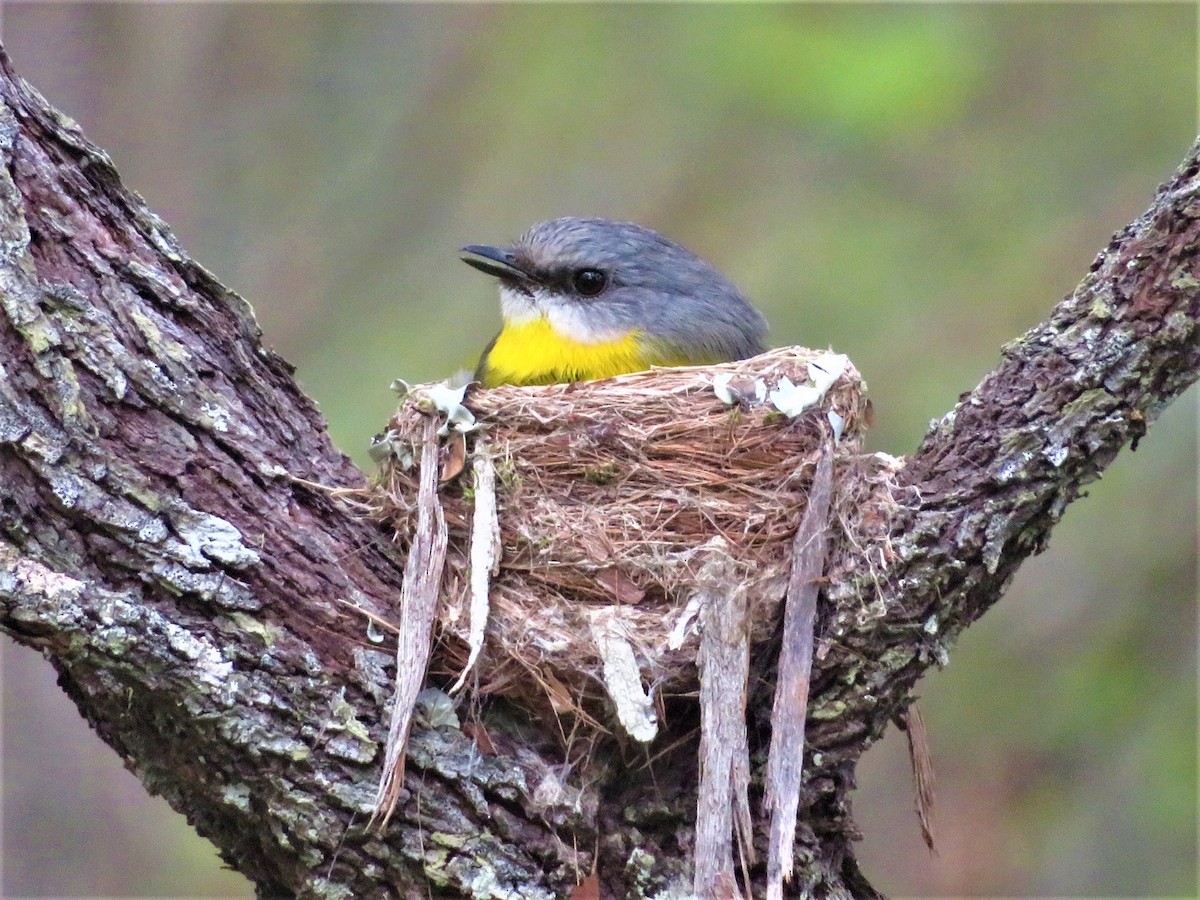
612,496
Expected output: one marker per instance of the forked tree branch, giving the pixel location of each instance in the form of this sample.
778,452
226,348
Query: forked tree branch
162,544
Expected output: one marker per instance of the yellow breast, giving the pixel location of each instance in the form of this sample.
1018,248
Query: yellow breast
534,353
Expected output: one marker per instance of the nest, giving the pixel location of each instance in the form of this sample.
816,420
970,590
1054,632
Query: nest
615,499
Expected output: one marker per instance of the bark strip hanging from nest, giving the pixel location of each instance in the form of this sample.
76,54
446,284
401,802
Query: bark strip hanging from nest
723,803
785,759
418,606
623,676
485,554
924,783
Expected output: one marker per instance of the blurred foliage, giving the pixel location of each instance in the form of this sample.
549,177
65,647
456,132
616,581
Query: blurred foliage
914,185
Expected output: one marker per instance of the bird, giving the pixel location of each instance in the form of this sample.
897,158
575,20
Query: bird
588,298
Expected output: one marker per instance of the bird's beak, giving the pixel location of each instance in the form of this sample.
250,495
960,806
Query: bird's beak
494,261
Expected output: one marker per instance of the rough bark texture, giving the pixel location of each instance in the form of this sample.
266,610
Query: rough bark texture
161,543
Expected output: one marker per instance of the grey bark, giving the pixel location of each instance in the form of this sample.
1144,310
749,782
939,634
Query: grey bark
162,543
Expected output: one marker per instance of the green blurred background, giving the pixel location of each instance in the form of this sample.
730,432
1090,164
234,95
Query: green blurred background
912,185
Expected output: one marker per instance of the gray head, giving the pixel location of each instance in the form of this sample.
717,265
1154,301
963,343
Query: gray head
598,279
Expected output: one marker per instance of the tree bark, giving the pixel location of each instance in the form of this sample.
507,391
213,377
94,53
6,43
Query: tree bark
164,544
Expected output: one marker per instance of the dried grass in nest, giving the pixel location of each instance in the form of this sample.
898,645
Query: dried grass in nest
613,496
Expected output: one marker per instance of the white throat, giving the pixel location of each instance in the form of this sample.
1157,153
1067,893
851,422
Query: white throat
567,319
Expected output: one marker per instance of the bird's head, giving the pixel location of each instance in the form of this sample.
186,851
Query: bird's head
597,280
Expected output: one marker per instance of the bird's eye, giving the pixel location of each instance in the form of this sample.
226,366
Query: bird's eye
589,282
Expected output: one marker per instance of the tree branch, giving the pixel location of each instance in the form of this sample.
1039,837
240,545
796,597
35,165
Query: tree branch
163,545
996,473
